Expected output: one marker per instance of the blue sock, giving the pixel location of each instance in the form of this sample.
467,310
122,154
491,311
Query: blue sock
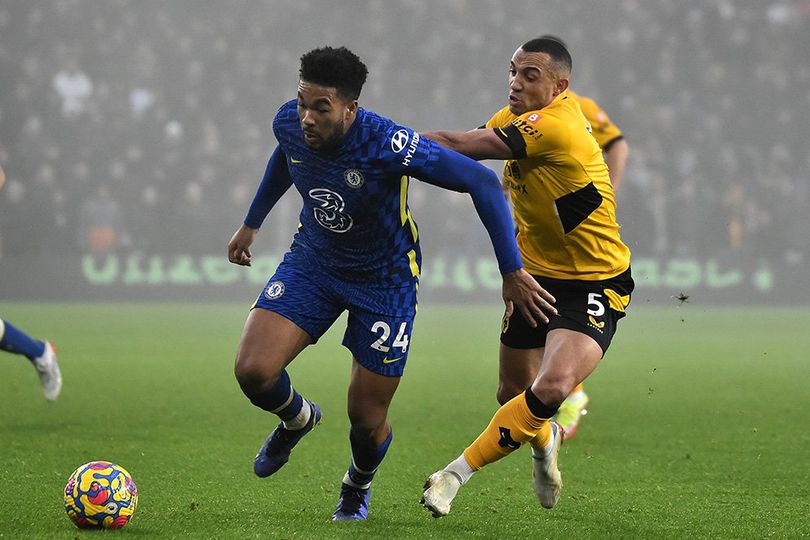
366,458
282,399
18,342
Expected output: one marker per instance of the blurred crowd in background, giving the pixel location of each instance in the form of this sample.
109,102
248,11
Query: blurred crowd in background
145,126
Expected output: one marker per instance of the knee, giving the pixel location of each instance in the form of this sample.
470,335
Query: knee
363,424
366,425
253,373
553,391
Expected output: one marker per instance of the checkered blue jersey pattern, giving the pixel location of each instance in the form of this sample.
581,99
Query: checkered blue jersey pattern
355,217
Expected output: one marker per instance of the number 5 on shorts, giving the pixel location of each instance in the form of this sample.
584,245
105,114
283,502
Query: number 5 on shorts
595,307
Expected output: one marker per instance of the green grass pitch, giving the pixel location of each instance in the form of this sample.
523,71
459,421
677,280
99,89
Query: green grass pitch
698,428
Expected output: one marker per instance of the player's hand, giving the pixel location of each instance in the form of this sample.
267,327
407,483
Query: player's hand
521,291
239,246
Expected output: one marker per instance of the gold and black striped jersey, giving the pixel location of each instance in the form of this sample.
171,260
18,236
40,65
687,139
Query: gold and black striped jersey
564,204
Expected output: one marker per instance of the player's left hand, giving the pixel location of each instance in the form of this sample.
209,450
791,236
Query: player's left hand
522,291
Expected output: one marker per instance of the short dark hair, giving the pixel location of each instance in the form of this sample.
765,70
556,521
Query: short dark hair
338,68
554,47
555,38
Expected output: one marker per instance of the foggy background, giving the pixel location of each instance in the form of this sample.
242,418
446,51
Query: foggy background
134,134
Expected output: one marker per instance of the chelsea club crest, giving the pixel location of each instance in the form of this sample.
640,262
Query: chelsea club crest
274,290
354,178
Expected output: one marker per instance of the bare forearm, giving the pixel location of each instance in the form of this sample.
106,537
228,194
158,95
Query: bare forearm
616,159
476,144
448,139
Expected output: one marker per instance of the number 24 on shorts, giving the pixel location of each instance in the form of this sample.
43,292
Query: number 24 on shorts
400,341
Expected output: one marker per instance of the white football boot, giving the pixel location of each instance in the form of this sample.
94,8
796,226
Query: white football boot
440,489
49,374
545,474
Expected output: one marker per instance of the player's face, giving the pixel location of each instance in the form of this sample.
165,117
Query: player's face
324,115
533,83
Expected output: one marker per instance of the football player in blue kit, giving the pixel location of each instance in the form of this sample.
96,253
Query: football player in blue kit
41,353
356,250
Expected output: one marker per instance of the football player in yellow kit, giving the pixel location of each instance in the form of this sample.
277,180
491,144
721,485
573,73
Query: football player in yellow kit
608,135
615,151
568,237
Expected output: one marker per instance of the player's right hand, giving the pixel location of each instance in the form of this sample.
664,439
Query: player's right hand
239,246
521,291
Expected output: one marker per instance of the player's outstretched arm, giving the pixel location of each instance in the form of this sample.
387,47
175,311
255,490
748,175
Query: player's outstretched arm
477,144
520,291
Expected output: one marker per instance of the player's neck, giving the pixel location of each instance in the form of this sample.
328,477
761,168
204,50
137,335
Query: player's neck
350,124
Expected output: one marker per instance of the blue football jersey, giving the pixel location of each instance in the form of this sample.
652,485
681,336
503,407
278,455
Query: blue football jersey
355,221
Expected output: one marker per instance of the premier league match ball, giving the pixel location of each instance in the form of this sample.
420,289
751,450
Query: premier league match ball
100,495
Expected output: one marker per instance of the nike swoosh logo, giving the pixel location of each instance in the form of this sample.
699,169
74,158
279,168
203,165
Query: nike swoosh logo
295,161
392,360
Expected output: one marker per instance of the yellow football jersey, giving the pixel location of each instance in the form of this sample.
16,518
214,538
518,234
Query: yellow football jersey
563,200
603,129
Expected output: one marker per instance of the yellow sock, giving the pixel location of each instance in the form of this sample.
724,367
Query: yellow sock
543,437
513,425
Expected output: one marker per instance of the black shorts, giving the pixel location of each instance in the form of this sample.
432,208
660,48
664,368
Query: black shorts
591,307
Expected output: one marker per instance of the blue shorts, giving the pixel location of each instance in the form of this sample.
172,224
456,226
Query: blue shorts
380,321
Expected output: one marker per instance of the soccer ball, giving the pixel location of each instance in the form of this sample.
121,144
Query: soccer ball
100,495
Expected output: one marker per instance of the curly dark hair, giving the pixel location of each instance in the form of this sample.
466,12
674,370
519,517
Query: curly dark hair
338,68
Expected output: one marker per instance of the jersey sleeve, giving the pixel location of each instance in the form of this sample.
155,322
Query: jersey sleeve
405,152
603,129
534,134
274,184
286,116
499,119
